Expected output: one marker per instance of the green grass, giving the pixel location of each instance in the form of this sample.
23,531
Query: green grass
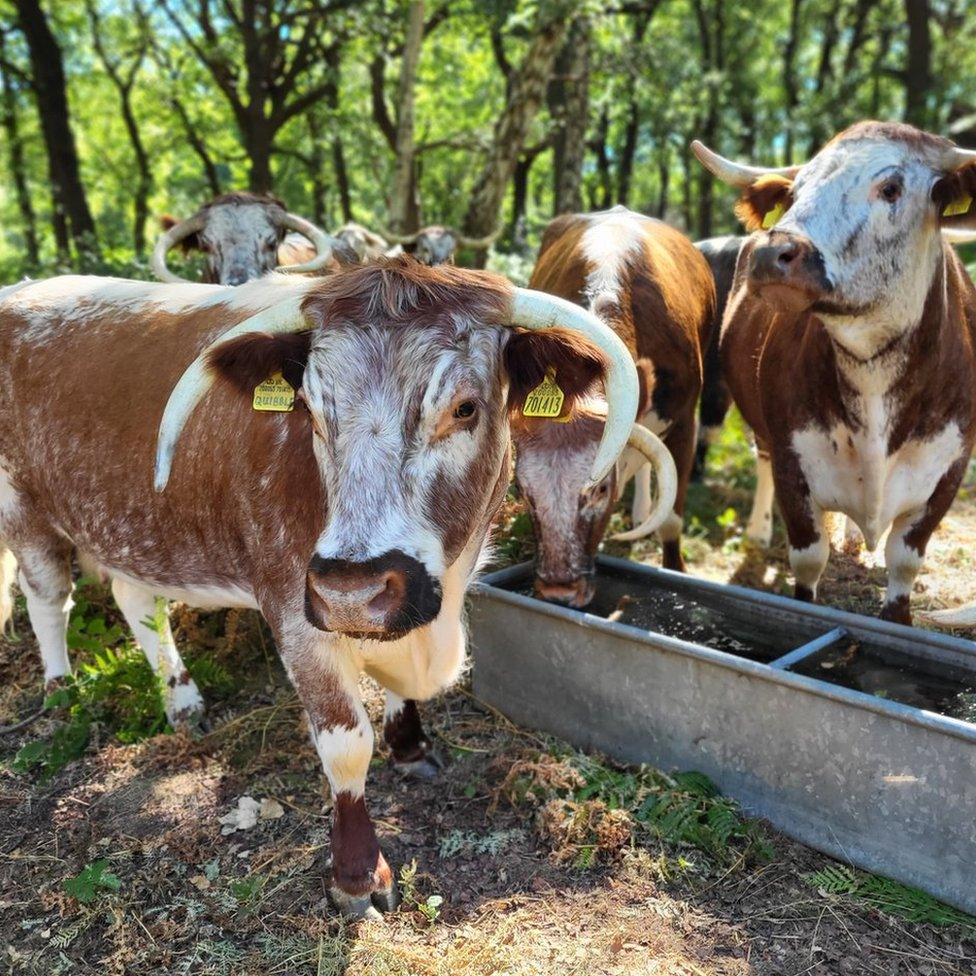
113,687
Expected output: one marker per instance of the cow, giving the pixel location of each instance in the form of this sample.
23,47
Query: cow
848,342
436,244
328,450
721,253
243,236
367,245
651,286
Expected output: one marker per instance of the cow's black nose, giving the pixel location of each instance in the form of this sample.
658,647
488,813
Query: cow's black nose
381,598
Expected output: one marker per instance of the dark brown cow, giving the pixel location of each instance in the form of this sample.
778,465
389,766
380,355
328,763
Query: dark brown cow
647,281
721,253
243,236
352,516
849,342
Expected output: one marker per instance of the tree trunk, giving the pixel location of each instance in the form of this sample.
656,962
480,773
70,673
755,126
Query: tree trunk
918,70
404,206
339,170
18,167
711,29
790,92
568,101
599,146
258,141
664,180
625,168
70,202
527,90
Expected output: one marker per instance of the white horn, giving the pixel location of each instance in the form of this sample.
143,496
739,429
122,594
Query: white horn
666,474
478,243
537,310
197,380
170,239
964,616
395,238
958,236
735,174
955,156
320,240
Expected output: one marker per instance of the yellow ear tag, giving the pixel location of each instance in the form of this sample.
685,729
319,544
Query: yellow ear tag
957,207
275,393
772,216
546,400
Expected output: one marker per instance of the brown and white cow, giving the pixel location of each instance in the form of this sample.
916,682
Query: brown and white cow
367,244
243,236
849,341
654,289
353,521
436,244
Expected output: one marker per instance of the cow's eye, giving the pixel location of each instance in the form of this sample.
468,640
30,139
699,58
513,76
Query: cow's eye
890,191
465,410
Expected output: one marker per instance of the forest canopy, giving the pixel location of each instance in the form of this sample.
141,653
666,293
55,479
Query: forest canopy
479,114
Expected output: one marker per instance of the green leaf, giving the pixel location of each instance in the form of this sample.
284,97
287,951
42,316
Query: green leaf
93,880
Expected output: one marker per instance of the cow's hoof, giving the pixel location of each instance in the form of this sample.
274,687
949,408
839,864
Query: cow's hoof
355,908
429,766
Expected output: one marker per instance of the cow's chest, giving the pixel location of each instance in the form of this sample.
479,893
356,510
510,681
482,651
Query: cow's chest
850,469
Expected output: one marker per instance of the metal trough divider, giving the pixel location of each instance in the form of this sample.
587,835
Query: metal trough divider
879,784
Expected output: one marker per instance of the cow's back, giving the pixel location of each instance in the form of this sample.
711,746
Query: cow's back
86,369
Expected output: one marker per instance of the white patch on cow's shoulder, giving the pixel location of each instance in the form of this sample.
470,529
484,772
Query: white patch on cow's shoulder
851,471
608,244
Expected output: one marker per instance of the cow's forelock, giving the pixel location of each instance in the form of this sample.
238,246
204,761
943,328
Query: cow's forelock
879,257
400,473
241,241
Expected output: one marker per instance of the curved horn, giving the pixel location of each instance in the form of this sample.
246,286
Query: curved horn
964,616
652,447
320,240
399,238
956,156
537,310
735,174
478,243
958,236
169,239
197,380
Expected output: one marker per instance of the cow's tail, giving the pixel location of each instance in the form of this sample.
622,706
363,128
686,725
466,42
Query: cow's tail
8,573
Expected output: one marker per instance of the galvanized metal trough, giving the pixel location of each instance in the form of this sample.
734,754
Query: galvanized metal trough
877,783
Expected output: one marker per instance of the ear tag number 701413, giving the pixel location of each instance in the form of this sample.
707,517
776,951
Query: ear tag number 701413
546,400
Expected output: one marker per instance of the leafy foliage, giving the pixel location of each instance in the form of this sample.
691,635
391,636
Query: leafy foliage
887,896
91,882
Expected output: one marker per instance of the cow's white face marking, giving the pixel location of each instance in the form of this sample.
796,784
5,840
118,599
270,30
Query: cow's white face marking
866,206
401,468
240,241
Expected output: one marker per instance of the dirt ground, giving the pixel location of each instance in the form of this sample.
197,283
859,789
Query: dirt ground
180,896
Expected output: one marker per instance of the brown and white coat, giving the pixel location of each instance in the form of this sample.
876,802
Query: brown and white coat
647,281
353,522
849,342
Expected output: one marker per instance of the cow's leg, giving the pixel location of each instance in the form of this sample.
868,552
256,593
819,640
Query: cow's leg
806,525
45,578
326,679
412,752
148,619
908,539
680,441
760,526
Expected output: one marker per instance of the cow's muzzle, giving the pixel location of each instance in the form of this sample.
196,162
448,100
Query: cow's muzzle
576,593
381,599
787,271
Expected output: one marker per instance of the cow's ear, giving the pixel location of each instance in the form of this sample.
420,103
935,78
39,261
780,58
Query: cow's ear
248,360
955,197
764,202
575,363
